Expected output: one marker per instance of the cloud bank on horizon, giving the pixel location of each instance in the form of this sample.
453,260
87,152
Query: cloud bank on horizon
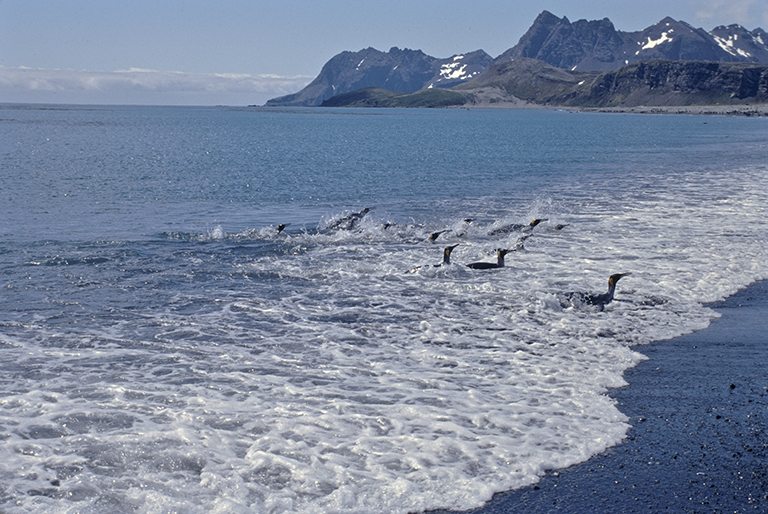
293,39
142,87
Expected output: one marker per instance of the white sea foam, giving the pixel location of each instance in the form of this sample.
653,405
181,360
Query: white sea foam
199,360
365,389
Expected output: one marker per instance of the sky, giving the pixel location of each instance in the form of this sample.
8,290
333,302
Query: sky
240,52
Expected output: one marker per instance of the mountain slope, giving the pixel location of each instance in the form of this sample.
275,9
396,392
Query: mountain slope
404,71
579,46
655,82
597,45
674,83
531,80
736,40
590,45
378,97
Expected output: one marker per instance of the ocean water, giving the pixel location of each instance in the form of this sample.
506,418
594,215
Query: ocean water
163,348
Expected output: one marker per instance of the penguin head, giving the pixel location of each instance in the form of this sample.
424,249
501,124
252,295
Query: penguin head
433,237
613,279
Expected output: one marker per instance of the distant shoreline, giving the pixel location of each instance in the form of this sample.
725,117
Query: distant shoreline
723,110
748,110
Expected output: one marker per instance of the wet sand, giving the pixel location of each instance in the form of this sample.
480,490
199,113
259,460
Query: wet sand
699,438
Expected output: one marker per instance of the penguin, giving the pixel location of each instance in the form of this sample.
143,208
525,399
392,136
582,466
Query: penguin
597,299
433,237
349,221
516,227
491,265
446,259
466,221
519,244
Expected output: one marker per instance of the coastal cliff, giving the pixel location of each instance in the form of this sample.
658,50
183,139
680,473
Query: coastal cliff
655,82
666,83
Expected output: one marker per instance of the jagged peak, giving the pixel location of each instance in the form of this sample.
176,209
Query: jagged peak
669,22
546,16
732,26
585,45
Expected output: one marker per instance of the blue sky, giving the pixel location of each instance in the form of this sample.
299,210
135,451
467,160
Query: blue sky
239,52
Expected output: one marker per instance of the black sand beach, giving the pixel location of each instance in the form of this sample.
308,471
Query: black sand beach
698,443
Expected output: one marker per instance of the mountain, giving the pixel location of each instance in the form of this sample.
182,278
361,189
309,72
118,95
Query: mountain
597,45
531,80
403,70
736,40
655,82
590,45
660,82
379,97
579,46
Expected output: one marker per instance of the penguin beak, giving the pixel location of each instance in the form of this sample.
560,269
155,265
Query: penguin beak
616,276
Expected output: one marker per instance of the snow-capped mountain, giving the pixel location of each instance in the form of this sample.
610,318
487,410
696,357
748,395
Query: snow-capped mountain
738,41
399,70
579,46
598,46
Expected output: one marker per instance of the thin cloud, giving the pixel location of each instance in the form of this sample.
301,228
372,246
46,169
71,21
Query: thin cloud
137,85
749,13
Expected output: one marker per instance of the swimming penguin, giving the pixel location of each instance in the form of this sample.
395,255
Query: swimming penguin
561,226
280,228
433,237
491,265
534,223
349,221
516,227
601,299
446,259
519,244
466,221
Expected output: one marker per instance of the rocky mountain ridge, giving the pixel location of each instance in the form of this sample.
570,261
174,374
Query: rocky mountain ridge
532,82
579,46
598,46
398,70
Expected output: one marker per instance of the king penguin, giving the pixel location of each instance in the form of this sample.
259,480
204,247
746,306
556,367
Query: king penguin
446,259
491,265
598,299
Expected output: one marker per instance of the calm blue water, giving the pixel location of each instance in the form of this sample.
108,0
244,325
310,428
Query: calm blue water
163,348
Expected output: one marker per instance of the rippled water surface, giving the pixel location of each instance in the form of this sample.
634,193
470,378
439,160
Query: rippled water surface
164,348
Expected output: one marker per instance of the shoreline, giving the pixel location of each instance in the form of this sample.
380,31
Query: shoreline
748,110
721,110
699,438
